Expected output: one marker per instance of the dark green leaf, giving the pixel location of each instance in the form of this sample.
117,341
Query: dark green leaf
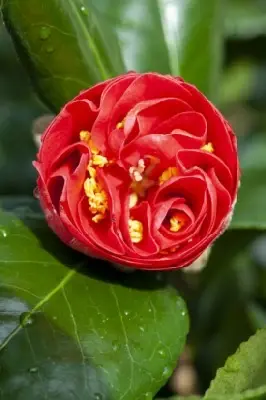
245,370
18,108
73,327
66,45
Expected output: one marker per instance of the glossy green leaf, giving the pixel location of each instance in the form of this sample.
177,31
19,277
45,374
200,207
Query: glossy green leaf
255,394
68,45
73,327
245,370
65,44
176,36
18,108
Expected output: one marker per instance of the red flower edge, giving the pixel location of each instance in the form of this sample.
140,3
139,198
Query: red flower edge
141,170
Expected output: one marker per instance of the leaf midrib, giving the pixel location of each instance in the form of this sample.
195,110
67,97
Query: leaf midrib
44,300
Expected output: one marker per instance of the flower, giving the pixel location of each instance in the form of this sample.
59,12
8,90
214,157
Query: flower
141,170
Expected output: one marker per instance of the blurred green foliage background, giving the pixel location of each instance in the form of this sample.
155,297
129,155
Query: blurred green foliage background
227,300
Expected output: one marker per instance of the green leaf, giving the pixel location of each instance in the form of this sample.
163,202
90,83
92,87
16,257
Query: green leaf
65,44
74,327
245,19
193,34
69,45
18,108
176,36
250,211
183,398
245,370
255,394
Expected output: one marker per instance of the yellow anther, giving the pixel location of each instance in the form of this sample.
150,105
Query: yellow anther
168,174
120,125
84,136
97,198
133,199
90,186
92,171
98,217
208,147
176,223
135,230
99,161
172,249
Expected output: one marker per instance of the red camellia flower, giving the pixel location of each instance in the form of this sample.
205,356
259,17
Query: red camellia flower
141,170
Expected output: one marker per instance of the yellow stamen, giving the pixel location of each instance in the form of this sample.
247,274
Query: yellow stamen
120,125
97,197
176,223
99,161
85,136
98,217
92,171
133,199
135,230
168,174
208,147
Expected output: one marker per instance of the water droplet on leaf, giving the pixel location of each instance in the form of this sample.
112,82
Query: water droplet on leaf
162,353
33,370
148,396
84,10
141,328
126,313
44,33
166,371
98,396
25,319
115,345
3,232
183,313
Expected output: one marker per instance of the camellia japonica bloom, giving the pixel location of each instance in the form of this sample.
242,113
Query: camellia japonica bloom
141,170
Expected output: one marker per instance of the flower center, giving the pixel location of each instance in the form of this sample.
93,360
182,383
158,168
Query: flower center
176,222
136,173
